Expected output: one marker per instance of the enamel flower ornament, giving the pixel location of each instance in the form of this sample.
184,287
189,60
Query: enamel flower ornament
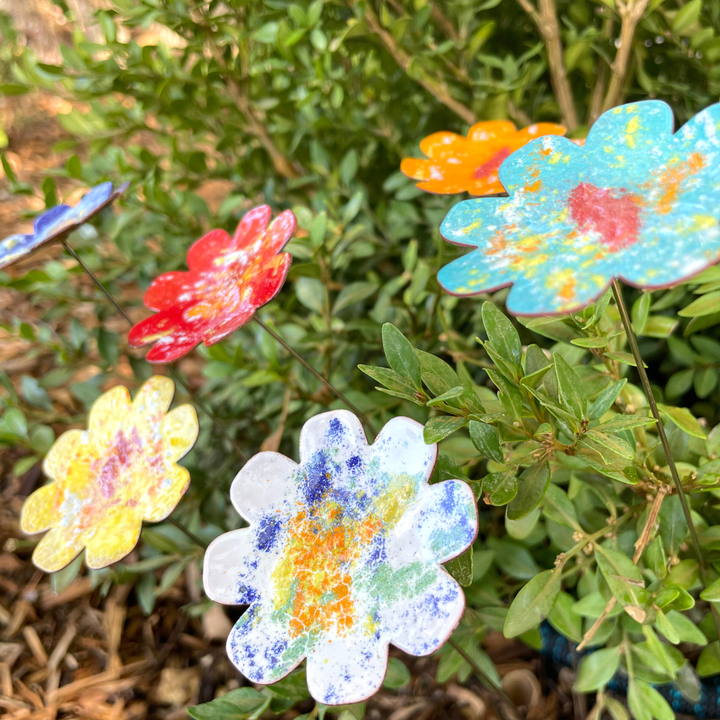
458,164
342,556
57,222
229,278
635,202
109,478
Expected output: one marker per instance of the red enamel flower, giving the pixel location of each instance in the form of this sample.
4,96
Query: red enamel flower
229,278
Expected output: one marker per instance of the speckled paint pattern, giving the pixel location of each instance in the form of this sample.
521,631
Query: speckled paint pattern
58,221
342,556
109,478
635,202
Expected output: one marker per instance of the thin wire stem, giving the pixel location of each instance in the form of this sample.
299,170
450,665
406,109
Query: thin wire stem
189,533
632,340
170,368
482,674
309,367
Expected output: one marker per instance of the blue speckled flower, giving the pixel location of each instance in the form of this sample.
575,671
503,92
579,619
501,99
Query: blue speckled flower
58,221
342,556
635,202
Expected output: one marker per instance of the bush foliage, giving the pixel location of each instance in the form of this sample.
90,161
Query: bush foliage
311,106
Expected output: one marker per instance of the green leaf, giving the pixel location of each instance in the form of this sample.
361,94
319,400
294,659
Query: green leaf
532,484
390,379
686,16
612,442
292,687
73,167
558,508
397,675
485,439
311,293
709,661
625,422
706,304
502,335
500,487
570,392
437,375
646,702
664,626
564,619
13,422
605,399
401,354
438,428
461,568
712,592
622,576
684,419
532,604
267,34
597,669
640,312
353,293
10,89
686,629
455,392
237,704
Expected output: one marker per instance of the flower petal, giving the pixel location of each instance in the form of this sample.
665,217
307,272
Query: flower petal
491,130
537,130
222,329
38,509
271,277
113,537
161,499
280,231
234,572
202,253
168,290
14,247
420,625
57,549
339,429
46,224
267,482
64,454
107,415
445,520
260,649
169,349
633,127
440,145
400,449
346,670
154,397
92,201
251,227
179,430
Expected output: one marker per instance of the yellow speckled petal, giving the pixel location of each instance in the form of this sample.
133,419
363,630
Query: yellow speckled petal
63,454
113,538
57,549
162,501
107,415
150,404
37,511
179,430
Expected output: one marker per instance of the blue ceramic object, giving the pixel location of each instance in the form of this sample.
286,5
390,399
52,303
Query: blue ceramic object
58,221
635,202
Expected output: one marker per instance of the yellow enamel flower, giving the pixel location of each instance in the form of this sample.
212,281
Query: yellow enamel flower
109,478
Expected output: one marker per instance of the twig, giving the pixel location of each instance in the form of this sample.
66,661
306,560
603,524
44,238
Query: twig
630,14
289,169
545,17
632,340
518,115
640,546
438,89
598,93
445,23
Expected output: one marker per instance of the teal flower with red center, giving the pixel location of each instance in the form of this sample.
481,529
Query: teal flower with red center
635,202
228,280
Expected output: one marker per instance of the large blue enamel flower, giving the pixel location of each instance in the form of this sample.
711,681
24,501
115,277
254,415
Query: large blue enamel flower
58,221
636,202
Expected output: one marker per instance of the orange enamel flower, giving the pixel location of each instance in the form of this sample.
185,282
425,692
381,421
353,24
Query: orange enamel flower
458,164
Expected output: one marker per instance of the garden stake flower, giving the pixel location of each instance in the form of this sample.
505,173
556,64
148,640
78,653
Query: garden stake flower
342,556
109,478
229,278
634,202
457,164
57,222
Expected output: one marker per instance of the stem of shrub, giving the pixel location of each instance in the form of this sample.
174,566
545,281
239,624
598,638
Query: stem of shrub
482,674
310,368
632,340
190,534
170,368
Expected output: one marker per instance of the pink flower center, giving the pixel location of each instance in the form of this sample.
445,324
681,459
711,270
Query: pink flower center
611,212
492,165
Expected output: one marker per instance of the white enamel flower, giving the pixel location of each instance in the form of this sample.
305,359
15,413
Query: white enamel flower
342,556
